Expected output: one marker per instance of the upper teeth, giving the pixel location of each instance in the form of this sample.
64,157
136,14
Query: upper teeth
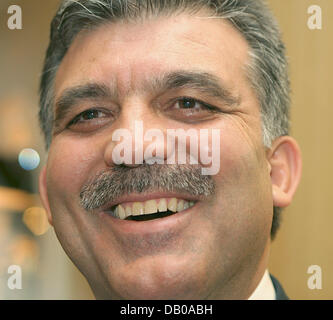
122,211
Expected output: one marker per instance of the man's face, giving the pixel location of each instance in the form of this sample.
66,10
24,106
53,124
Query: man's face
217,248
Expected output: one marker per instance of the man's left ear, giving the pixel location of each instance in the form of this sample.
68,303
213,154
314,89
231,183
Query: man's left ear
43,194
286,168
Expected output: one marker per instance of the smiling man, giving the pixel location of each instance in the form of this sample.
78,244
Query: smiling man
136,225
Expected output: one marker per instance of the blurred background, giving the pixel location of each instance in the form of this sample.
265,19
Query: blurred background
305,237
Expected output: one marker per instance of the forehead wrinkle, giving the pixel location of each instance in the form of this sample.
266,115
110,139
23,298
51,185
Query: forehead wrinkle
127,85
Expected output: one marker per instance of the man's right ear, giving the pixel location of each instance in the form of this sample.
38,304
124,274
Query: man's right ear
43,194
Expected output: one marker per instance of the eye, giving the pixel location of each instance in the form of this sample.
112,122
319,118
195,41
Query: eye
191,104
89,120
191,109
187,103
86,116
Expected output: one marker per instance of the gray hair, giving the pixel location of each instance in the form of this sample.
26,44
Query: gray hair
267,69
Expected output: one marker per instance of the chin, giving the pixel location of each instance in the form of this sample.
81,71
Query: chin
160,281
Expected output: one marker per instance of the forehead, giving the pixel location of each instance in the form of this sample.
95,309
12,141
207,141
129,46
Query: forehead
130,52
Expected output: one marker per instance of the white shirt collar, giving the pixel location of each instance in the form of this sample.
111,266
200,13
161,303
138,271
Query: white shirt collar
265,289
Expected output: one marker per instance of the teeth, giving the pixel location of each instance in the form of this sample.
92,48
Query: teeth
172,205
128,211
120,212
137,209
162,206
151,206
180,205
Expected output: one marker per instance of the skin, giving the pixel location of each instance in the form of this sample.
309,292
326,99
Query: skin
221,250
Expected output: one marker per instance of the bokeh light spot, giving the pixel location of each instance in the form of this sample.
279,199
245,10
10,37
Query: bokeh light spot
29,159
36,220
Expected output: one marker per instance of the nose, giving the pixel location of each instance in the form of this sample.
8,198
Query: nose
138,137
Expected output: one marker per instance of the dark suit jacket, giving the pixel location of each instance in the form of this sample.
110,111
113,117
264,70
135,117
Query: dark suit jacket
280,294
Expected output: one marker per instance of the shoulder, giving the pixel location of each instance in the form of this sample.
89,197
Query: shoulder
280,293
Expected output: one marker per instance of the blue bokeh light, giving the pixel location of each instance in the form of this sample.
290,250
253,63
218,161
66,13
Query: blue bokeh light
29,159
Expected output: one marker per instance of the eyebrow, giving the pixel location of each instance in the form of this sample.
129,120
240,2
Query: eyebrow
73,95
204,82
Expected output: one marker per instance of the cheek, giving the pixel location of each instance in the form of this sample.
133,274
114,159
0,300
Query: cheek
237,159
69,166
243,181
243,209
242,151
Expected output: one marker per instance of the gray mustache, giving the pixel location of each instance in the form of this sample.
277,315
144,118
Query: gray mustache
110,184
